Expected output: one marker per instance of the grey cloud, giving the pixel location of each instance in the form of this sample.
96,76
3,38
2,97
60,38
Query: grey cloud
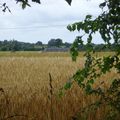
50,12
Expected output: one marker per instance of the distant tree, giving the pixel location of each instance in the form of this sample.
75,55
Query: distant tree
39,43
14,45
0,43
5,42
55,42
66,44
51,42
59,42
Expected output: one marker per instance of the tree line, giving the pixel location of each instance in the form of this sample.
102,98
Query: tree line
15,45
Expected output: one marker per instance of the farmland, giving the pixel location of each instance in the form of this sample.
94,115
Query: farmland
24,77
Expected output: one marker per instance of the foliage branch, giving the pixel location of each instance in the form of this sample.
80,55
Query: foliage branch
107,24
24,3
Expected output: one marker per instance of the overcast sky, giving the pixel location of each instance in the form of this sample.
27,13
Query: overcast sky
45,21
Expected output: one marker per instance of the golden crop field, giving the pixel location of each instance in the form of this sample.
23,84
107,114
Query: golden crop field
25,87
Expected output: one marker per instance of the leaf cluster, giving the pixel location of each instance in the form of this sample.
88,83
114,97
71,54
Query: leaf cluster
4,7
107,25
26,2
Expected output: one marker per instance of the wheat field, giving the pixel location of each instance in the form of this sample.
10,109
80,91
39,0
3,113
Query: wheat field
25,87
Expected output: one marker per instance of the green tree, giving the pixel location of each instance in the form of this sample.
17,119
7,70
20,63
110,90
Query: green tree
39,43
59,42
66,44
55,42
14,45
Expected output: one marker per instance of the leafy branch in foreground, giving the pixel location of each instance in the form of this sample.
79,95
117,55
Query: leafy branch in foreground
107,25
24,4
4,7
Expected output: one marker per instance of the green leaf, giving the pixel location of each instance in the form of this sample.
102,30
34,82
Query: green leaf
37,1
69,27
61,93
91,81
102,5
88,17
88,89
23,5
89,40
73,27
68,85
69,1
79,26
74,54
